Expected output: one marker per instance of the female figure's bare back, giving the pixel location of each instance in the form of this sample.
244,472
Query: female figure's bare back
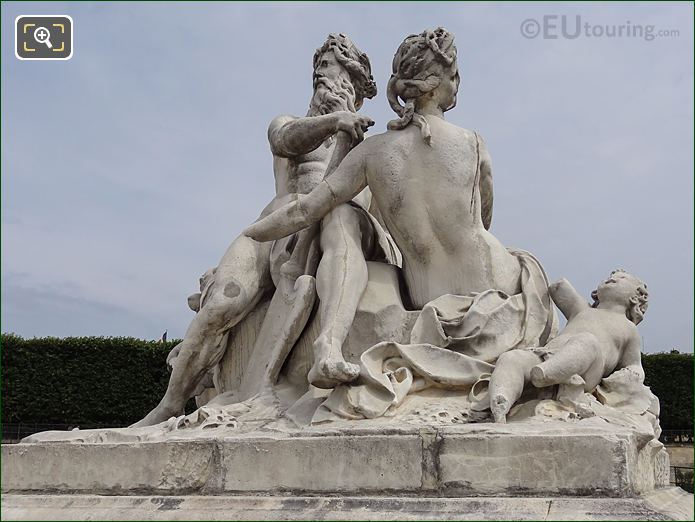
429,196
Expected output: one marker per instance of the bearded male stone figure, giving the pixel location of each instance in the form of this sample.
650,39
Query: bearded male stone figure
302,149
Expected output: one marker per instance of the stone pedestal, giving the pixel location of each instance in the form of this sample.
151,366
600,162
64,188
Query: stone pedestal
533,470
548,459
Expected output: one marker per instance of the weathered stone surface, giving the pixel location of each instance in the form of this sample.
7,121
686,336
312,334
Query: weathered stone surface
174,466
554,461
648,466
673,502
92,507
343,463
472,459
494,464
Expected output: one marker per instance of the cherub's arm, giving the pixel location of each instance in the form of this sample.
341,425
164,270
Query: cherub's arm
340,187
290,136
567,299
631,358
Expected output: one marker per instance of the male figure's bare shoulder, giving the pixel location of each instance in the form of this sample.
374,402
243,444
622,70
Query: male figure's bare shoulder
278,122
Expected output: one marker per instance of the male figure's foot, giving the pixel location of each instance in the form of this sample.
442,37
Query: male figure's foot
157,415
330,367
329,373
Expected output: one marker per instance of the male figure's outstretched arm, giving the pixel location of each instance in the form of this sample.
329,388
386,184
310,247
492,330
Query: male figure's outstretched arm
290,136
340,187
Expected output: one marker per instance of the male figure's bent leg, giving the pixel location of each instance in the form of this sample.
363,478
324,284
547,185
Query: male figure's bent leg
340,282
241,279
511,373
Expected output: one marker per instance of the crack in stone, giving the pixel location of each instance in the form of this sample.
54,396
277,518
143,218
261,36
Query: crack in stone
431,445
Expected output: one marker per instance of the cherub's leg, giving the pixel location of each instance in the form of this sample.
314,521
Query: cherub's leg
240,281
579,354
511,373
340,282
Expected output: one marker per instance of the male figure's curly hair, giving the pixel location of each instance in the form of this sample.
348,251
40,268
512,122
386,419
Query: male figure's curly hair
419,65
355,62
638,302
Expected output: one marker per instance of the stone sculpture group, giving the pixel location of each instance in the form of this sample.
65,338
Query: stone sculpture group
369,335
371,286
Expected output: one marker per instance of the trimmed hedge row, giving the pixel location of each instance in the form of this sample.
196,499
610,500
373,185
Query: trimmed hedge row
670,376
117,380
81,380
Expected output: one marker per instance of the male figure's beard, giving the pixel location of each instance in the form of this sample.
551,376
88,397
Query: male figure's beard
332,96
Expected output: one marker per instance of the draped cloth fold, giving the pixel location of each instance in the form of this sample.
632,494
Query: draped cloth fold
454,342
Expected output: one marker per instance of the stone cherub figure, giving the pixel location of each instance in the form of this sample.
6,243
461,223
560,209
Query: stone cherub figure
597,340
302,148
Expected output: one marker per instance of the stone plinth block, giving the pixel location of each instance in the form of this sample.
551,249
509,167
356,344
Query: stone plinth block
553,459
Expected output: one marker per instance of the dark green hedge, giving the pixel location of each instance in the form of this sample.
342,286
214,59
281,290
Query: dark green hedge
670,376
81,380
117,380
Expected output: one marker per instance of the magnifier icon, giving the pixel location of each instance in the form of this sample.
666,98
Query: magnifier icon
43,35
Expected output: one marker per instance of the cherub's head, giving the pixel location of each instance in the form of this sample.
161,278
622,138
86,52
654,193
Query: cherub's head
625,289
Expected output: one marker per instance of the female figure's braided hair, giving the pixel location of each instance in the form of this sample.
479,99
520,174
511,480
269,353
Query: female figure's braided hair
419,65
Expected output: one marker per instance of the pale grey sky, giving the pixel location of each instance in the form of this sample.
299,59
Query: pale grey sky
127,170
